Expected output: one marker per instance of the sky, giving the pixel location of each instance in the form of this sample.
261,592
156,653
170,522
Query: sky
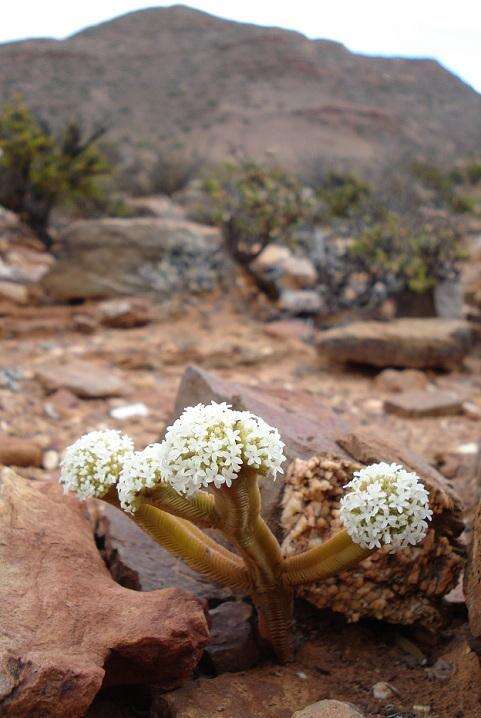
447,30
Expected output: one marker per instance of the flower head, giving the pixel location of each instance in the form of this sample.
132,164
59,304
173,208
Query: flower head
210,444
93,463
141,470
386,505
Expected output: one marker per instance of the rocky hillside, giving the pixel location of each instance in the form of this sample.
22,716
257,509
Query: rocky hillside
175,77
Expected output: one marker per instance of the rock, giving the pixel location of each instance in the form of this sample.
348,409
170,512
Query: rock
301,301
405,591
16,293
329,709
472,581
448,299
396,380
88,381
288,271
290,329
50,460
19,452
67,627
158,205
413,343
136,561
129,411
84,323
382,691
124,313
315,435
417,404
232,646
115,257
471,411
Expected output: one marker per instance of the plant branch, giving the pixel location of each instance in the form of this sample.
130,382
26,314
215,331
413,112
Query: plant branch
177,537
321,562
198,509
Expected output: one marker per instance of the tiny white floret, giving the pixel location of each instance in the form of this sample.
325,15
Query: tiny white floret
208,445
141,470
92,464
385,506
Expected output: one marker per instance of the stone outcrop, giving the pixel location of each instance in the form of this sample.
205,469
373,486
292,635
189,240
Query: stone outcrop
410,343
67,628
115,257
322,451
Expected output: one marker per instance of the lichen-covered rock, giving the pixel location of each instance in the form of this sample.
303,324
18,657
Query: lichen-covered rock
67,628
401,588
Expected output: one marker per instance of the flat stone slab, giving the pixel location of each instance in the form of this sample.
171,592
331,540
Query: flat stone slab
84,379
410,343
418,404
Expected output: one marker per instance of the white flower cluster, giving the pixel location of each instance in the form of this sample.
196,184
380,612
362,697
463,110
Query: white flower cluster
386,505
209,445
93,463
206,445
141,470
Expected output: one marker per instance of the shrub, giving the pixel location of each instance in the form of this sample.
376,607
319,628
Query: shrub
256,205
39,171
408,255
342,193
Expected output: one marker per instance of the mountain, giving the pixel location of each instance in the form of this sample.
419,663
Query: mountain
182,79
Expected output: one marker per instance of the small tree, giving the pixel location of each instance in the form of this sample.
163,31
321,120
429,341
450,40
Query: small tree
39,171
256,205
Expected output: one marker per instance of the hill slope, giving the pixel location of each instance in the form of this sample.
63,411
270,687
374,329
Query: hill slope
181,78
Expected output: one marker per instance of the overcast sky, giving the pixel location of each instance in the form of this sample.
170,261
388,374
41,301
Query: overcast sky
448,30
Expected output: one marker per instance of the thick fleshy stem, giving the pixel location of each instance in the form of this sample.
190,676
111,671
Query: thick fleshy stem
199,509
238,508
200,553
321,562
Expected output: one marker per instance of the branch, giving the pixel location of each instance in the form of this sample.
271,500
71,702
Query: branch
198,551
198,509
321,562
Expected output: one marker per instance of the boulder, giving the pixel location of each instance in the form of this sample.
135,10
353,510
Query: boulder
124,313
299,302
413,343
328,709
115,257
418,404
279,265
67,628
232,646
321,448
86,380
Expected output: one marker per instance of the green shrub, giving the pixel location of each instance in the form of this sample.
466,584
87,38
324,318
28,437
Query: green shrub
39,171
256,205
342,194
473,172
415,255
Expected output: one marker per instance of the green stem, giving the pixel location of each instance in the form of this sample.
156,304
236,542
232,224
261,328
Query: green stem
321,562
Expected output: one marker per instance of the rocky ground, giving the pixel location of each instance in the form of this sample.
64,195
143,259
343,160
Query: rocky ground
56,382
69,368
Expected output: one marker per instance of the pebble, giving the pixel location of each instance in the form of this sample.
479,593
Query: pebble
50,460
129,411
382,691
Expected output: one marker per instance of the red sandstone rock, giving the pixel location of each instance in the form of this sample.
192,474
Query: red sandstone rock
19,452
67,627
89,381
